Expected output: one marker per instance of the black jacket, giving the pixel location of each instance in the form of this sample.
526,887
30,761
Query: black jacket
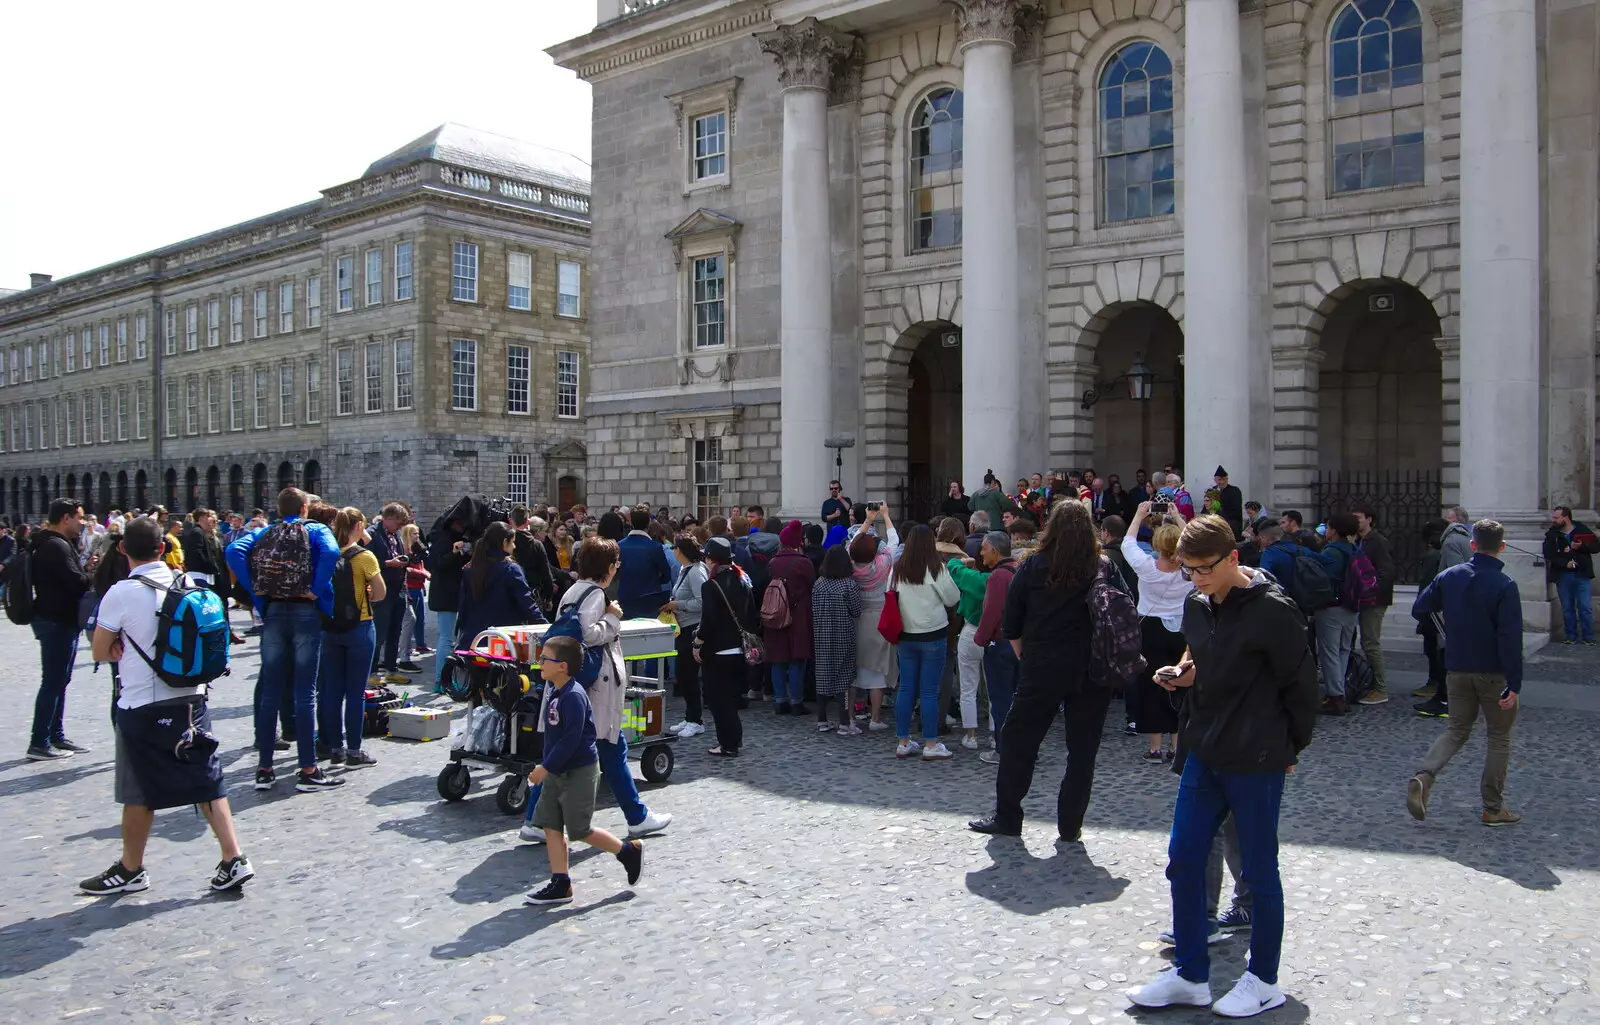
445,565
506,601
530,555
1233,508
1376,548
719,630
202,553
1254,699
385,546
58,577
1053,622
961,508
1558,551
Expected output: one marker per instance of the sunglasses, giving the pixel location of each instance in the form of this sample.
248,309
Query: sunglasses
1190,572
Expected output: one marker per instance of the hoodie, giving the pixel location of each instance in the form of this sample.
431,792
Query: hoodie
1455,545
989,499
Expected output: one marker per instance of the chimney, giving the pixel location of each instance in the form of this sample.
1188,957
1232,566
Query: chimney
37,280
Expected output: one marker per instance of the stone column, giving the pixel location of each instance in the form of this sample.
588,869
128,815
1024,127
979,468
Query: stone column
1296,371
1500,294
992,369
1216,253
806,53
1449,348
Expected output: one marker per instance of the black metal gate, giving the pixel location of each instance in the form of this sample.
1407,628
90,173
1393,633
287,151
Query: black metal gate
1405,503
919,498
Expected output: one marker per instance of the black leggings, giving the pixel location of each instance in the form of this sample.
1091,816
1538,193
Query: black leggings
725,677
689,677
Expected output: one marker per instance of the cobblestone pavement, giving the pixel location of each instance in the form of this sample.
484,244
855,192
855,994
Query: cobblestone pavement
815,879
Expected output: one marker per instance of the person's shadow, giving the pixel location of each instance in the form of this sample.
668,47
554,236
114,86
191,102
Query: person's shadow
35,943
1028,885
517,923
507,871
1293,1012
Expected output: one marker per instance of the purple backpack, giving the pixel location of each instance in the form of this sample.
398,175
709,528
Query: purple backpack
1114,657
1360,588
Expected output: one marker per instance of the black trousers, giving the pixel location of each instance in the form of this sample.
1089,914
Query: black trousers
724,679
1031,716
689,677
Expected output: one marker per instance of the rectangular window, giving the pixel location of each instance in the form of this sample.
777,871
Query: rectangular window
285,307
259,311
313,391
344,381
191,327
141,336
402,271
374,277
519,365
213,403
566,384
261,397
314,301
374,377
44,425
236,400
463,373
710,145
122,413
567,281
344,272
122,339
404,373
286,394
169,339
72,352
464,272
44,360
16,360
55,356
710,302
72,420
141,410
191,405
236,318
519,281
213,323
171,429
27,362
104,336
517,478
27,427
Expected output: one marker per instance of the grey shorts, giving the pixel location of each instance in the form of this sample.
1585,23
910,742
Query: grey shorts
567,801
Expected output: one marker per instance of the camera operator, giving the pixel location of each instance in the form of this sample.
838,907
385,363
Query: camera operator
157,727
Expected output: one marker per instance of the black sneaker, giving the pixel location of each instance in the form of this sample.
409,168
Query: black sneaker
324,752
632,858
231,874
311,782
66,745
408,666
116,879
46,754
550,893
1433,710
280,744
336,757
265,777
1235,919
356,759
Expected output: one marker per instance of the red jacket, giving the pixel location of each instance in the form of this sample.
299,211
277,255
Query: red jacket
994,602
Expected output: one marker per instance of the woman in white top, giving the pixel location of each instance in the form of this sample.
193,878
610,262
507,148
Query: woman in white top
927,593
1162,591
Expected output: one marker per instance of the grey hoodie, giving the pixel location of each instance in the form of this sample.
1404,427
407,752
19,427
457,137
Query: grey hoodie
764,543
1455,546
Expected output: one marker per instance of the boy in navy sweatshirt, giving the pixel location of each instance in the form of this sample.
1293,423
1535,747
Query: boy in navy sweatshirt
569,770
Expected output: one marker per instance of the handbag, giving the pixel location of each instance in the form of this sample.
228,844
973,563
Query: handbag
755,652
890,625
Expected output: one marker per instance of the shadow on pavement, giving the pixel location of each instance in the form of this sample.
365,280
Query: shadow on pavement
1022,883
518,923
1293,1012
178,824
38,942
508,871
55,778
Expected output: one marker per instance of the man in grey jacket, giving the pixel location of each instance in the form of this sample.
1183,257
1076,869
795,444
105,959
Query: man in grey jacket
1455,545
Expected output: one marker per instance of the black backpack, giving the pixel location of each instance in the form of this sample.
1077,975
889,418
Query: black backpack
19,587
346,608
1312,588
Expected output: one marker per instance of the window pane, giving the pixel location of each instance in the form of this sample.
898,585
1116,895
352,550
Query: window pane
518,371
936,168
1137,133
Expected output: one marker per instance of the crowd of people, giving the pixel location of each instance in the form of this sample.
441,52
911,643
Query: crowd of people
1005,610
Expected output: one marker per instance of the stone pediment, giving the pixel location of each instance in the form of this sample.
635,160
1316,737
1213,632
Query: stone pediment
703,223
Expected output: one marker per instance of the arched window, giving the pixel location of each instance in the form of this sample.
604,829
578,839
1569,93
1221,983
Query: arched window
1137,176
1375,69
935,172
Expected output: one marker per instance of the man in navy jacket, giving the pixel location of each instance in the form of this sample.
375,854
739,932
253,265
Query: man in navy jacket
644,580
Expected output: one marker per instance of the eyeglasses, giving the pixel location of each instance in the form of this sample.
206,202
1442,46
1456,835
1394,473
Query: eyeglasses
834,490
1190,572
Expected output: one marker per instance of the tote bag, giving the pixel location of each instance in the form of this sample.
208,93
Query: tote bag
890,625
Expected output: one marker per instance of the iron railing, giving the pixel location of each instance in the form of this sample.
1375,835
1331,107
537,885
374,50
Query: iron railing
1405,503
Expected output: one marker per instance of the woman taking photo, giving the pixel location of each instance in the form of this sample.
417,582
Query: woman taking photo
835,608
726,608
873,559
1162,591
493,590
347,654
685,604
926,594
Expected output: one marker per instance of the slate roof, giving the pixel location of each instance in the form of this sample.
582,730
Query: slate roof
478,150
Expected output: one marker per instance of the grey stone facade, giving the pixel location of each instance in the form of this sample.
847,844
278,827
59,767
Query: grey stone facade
401,438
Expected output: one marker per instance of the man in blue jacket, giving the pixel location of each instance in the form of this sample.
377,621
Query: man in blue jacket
1483,667
644,581
288,570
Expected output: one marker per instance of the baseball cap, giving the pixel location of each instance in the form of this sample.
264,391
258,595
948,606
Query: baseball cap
719,548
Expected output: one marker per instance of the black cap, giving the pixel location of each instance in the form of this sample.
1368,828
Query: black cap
719,548
1220,472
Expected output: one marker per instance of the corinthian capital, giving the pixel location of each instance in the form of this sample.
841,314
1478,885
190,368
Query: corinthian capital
806,52
990,21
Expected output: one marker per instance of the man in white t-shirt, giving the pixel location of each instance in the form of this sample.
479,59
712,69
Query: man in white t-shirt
153,720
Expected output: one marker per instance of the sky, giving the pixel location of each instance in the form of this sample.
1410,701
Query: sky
130,126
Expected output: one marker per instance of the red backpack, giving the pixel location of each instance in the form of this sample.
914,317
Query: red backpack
1360,588
775,612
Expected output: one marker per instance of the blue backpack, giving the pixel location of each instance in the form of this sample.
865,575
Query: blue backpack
191,646
567,624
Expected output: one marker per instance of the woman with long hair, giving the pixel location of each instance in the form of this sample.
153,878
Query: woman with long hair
1050,626
873,559
926,593
685,604
347,654
835,608
493,590
1162,591
416,586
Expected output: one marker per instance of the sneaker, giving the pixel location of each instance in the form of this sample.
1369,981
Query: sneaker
1169,754
116,879
1503,817
66,745
877,727
1151,756
376,680
311,782
1371,697
530,833
1214,937
281,745
357,759
753,695
396,678
952,720
1427,690
824,727
907,749
851,730
334,757
265,777
550,893
1432,709
46,754
990,757
691,729
1235,919
1589,643
423,651
1417,796
408,666
1248,998
1333,706
969,742
232,874
935,753
632,858
1131,730
654,822
1570,640
1169,989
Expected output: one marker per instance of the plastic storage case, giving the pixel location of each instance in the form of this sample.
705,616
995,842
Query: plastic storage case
419,723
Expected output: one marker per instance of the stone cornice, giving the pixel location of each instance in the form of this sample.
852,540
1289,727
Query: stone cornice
807,53
1446,13
616,46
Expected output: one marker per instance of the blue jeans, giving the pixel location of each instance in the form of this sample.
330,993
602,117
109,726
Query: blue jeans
921,662
1577,604
419,612
446,643
789,682
58,649
618,776
1000,667
342,685
291,644
1205,797
388,617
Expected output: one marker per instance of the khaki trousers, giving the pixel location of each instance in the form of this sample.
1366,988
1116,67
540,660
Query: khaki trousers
1470,692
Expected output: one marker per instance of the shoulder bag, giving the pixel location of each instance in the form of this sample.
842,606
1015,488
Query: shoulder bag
755,652
890,625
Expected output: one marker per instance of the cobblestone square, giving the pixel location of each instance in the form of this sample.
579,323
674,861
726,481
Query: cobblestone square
815,879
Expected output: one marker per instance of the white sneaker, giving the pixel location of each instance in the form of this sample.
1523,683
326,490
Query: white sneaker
1215,936
654,822
1169,989
877,727
1249,997
907,749
951,720
688,729
530,833
825,727
970,743
849,731
935,753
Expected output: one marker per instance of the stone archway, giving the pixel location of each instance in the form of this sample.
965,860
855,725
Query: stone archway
917,401
1131,434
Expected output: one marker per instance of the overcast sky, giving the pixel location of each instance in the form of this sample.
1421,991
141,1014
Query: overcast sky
129,126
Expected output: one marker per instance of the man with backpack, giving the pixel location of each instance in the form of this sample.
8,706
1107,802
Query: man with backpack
166,755
46,582
1376,548
1355,582
288,570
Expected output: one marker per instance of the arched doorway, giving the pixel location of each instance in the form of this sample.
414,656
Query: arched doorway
312,476
191,489
285,475
213,488
141,487
566,492
72,485
1132,433
258,482
103,506
16,496
27,496
172,489
236,488
122,490
44,492
933,417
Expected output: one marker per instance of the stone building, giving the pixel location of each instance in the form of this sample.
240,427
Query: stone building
1317,241
418,333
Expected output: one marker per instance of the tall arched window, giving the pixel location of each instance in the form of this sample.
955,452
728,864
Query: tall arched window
935,172
1137,176
1375,69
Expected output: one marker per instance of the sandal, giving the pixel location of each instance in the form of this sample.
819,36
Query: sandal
720,753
